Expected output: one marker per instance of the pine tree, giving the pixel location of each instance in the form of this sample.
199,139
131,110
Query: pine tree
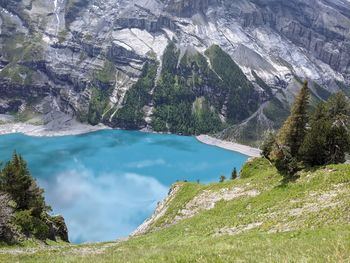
338,106
17,181
293,131
328,138
234,174
291,136
314,148
338,142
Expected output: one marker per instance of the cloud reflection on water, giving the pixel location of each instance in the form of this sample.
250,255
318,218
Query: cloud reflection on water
100,207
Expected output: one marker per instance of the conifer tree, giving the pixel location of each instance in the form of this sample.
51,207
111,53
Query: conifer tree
17,181
234,174
314,148
293,131
338,143
328,138
291,136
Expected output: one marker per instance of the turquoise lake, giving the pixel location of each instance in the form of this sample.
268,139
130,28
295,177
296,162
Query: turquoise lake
107,183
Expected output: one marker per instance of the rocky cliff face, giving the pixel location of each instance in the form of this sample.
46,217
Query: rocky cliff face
87,58
321,27
187,8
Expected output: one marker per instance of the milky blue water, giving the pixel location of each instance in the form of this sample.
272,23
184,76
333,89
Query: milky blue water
107,183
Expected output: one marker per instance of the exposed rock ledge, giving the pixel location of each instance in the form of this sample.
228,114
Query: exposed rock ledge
204,201
208,199
158,213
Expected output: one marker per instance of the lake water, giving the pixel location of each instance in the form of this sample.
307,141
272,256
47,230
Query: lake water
107,183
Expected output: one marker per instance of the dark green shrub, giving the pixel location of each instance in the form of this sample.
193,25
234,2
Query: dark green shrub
267,145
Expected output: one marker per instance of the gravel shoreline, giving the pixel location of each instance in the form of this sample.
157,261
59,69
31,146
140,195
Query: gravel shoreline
231,146
47,131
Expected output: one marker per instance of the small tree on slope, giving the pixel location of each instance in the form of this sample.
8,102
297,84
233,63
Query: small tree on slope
291,136
234,174
17,181
314,149
338,107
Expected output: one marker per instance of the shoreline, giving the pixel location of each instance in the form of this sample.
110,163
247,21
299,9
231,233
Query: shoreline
231,146
76,128
47,131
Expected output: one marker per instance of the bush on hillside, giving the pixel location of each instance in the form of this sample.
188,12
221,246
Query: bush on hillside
268,144
234,174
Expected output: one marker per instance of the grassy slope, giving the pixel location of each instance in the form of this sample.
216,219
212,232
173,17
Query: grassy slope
303,221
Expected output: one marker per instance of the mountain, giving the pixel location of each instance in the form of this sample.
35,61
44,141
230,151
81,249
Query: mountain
258,218
182,66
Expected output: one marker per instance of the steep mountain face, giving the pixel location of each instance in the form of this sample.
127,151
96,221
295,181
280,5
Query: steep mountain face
185,66
187,8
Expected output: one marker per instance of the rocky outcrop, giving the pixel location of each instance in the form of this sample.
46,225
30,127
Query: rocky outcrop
7,231
160,211
73,9
9,89
11,233
187,8
121,55
151,23
204,200
58,229
8,106
310,24
208,199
